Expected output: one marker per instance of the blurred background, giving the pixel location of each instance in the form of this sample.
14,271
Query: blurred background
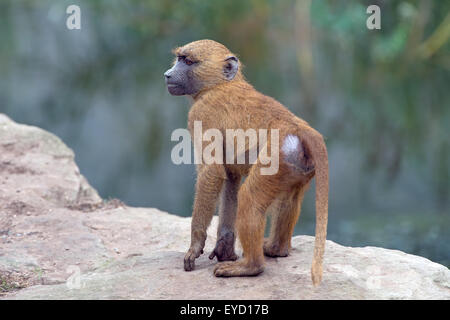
380,97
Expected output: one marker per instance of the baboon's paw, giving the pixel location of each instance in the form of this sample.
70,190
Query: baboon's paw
237,269
274,250
189,258
224,250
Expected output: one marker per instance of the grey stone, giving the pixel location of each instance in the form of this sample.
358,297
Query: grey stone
60,240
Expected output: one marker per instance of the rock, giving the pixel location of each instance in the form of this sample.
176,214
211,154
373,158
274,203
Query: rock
60,240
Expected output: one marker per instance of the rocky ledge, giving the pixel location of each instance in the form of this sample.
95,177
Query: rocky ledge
60,240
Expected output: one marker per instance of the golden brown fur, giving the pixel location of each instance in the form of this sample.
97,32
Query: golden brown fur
235,104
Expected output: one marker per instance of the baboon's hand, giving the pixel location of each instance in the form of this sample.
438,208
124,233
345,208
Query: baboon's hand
224,250
189,259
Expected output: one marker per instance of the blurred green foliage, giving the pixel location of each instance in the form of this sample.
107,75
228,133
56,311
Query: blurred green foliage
380,97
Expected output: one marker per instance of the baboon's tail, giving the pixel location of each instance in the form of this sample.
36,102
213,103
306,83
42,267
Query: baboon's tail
316,145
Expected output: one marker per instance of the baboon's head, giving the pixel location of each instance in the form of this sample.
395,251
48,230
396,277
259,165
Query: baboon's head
201,65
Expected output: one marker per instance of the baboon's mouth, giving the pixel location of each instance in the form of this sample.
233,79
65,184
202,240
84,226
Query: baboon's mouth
175,89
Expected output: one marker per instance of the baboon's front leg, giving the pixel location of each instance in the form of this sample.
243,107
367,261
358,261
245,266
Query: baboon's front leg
224,249
209,184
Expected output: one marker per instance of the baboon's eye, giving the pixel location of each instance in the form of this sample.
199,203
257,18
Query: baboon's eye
186,60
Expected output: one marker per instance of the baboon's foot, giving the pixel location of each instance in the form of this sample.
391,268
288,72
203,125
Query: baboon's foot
240,268
273,249
224,250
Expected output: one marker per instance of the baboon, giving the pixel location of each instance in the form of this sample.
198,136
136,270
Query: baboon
208,72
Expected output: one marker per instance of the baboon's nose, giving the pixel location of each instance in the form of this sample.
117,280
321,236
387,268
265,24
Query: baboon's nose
167,74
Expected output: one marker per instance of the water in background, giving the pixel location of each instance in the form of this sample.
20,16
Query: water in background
380,97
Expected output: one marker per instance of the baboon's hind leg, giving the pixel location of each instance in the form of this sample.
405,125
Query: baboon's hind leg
254,197
284,215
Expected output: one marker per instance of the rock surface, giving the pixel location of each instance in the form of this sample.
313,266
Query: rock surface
60,240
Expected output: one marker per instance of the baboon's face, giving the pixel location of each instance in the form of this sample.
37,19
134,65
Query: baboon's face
181,79
200,65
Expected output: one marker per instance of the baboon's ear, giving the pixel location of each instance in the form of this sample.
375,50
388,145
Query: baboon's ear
231,67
